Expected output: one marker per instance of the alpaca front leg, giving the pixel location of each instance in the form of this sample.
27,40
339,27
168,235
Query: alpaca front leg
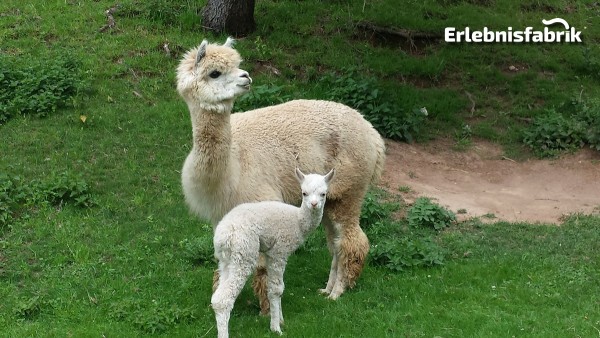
332,276
332,232
353,249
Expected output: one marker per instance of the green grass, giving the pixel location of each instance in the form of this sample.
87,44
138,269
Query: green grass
123,267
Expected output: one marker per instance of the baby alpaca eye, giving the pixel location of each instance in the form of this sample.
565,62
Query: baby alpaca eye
304,194
322,195
214,74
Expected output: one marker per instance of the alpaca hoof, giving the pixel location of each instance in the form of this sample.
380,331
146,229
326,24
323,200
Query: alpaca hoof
334,295
324,291
276,330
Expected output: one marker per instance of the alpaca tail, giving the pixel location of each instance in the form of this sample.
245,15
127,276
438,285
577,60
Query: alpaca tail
380,161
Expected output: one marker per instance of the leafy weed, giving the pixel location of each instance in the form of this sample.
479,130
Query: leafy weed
425,213
38,87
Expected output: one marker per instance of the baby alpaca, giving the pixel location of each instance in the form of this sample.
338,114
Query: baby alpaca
272,228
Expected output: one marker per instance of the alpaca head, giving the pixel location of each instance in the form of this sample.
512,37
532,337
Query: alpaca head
314,188
209,76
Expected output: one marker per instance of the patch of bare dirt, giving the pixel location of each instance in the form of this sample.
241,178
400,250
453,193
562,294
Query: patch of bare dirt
484,182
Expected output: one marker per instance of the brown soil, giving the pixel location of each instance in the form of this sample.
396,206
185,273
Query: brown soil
484,182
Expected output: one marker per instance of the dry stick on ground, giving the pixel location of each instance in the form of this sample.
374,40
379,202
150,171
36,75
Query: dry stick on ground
407,34
166,48
110,18
470,96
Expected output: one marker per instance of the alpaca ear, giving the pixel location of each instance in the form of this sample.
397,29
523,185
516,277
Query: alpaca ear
229,43
201,51
329,175
299,175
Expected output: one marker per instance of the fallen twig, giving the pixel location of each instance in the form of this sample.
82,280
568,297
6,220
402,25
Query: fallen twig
404,33
110,18
470,96
166,48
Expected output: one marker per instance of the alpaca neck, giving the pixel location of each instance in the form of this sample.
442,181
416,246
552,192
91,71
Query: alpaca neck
211,131
309,219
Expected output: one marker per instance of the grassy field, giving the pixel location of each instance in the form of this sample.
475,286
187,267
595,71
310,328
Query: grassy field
95,239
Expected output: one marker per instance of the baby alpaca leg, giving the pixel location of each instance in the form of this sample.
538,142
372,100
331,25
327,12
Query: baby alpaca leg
230,284
275,286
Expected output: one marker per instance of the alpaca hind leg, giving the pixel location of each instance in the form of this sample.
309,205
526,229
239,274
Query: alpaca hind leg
275,270
231,282
259,285
222,303
220,272
215,281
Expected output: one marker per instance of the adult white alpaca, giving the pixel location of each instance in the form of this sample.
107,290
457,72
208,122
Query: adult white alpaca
274,229
250,157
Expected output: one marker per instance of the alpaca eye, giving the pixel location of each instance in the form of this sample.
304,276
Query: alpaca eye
322,195
214,74
304,194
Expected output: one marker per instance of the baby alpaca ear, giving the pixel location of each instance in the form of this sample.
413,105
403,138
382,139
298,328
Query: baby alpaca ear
329,175
201,52
299,175
229,43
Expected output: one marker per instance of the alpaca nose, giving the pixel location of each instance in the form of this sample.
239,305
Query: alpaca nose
314,204
247,76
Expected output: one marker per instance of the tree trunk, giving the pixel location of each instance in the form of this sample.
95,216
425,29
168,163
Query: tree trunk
234,17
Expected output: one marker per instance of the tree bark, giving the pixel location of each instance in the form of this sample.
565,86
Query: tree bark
234,17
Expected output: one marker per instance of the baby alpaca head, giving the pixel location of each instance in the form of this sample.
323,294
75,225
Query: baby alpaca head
209,76
314,188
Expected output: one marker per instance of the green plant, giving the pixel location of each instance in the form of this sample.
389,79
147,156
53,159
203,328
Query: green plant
199,250
16,197
170,13
37,87
374,210
553,133
463,137
66,187
570,126
591,63
593,134
404,189
398,254
29,308
589,114
154,317
261,96
362,93
390,246
425,213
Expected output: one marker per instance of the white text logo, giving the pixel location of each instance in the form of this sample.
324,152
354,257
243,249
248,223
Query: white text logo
570,34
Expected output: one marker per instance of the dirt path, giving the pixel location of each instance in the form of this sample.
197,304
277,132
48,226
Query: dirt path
482,182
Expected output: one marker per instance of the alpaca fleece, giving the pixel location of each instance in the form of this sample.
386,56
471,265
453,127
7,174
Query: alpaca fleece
251,156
